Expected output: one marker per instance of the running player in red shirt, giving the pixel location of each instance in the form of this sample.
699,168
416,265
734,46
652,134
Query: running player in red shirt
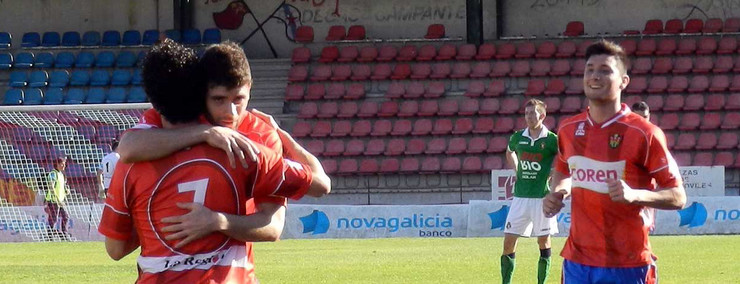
144,195
607,158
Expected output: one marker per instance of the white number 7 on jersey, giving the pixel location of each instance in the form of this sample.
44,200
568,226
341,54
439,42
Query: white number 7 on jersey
199,186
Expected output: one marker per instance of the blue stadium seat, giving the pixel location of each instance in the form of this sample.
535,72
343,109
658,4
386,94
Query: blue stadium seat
131,37
111,38
13,97
6,60
44,60
136,77
18,79
85,59
212,36
38,79
126,59
136,95
23,60
91,38
33,97
51,39
79,78
120,78
53,96
59,78
105,59
116,95
75,96
32,39
64,59
99,78
140,58
150,37
173,34
95,96
5,40
191,36
71,39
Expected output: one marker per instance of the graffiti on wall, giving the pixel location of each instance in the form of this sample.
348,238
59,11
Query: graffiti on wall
705,9
547,4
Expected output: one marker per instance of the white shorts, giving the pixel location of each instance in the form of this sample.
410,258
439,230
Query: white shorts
526,219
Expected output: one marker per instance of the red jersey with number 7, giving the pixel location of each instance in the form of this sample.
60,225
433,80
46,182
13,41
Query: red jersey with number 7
604,233
141,194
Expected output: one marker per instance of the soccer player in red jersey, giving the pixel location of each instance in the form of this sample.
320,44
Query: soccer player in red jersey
607,158
143,195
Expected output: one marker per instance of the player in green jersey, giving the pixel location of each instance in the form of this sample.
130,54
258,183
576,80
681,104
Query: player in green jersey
530,152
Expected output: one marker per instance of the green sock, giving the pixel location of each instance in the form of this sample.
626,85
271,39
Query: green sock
543,269
507,268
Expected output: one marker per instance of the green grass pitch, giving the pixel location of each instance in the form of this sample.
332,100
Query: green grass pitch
682,259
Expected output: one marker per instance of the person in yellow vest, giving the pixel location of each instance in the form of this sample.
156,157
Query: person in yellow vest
56,194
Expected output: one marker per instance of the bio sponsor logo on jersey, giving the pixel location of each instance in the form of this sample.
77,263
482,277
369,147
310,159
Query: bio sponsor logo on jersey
592,174
696,215
429,226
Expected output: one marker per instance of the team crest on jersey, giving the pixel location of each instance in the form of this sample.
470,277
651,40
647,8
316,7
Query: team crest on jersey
542,146
614,140
581,131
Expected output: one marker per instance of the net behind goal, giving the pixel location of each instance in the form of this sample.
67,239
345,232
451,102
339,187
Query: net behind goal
32,137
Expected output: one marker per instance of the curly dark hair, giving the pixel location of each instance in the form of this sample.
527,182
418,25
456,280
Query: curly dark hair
171,81
225,64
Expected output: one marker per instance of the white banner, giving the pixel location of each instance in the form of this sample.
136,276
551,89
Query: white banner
379,221
488,218
698,181
702,215
22,223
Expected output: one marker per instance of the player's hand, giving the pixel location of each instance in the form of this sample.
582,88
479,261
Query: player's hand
233,143
199,222
619,191
266,117
553,203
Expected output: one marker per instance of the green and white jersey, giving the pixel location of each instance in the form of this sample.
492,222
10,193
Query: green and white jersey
535,155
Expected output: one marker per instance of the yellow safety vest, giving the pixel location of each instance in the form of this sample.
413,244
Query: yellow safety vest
56,192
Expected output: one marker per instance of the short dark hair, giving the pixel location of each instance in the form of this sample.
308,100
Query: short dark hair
225,64
538,104
170,81
640,106
605,47
114,144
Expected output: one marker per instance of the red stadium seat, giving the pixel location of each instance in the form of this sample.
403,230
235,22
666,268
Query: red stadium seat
497,144
489,106
369,166
495,88
678,84
435,90
407,53
702,65
629,46
446,52
386,53
575,86
566,49
467,52
334,148
430,165
475,89
440,71
698,84
377,146
574,28
658,84
727,140
360,72
581,51
330,166
381,127
685,141
540,68
483,125
720,83
294,93
693,26
535,87
546,49
707,45
381,72
642,65
571,104
442,126
315,92
321,129
471,165
668,121
520,69
361,128
348,54
401,127
732,25
662,65
328,110
476,145
712,25
451,165
706,141
388,109
525,49
422,127
702,159
481,70
683,65
731,121
435,31
368,109
356,32
468,107
408,109
390,165
347,167
301,129
714,102
409,165
637,85
341,73
421,71
560,67
298,73
579,65
414,147
733,102
553,104
723,64
711,121
653,26
460,70
674,102
655,102
493,163
646,46
463,126
336,33
504,125
304,34
734,85
414,90
448,108
428,108
486,51
686,46
505,51
329,54
727,45
673,26
555,87
301,55
666,46
683,159
341,128
401,71
321,73
690,121
335,91
726,159
308,110
436,146
501,69
427,52
367,54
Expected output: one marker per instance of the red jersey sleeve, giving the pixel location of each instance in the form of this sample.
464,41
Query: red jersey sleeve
560,164
116,222
660,163
281,177
150,119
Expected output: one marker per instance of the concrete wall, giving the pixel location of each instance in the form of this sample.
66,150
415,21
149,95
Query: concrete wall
18,17
542,17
